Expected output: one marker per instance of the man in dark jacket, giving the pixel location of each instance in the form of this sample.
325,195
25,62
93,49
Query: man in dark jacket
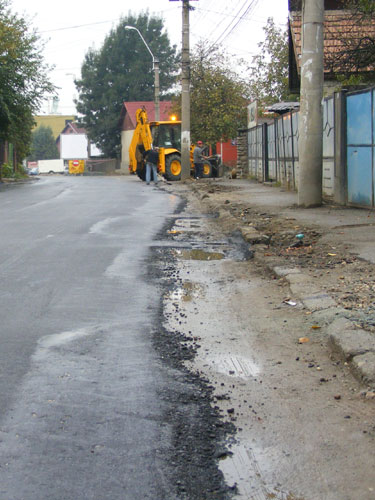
152,157
198,160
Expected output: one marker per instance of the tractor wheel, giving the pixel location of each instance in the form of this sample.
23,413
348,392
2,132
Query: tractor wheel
207,170
173,167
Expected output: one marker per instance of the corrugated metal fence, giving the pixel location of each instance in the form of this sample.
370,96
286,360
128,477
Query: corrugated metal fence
361,147
273,149
348,149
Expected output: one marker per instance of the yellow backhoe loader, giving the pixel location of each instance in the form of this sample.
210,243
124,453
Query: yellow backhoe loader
166,135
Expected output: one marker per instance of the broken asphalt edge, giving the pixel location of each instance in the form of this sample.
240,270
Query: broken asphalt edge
354,346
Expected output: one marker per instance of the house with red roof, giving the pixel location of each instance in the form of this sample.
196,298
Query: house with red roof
344,34
128,124
73,143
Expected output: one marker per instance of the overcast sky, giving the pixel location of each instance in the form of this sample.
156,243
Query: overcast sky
73,26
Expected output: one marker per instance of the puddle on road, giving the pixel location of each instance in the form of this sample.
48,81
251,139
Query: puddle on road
102,226
187,292
56,340
198,254
242,468
235,366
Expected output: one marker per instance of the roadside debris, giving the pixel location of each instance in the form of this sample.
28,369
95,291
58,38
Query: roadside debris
303,340
290,302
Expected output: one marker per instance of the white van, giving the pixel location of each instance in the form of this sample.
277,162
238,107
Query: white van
51,166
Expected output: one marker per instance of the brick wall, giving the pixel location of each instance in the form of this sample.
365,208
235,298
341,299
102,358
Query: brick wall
242,160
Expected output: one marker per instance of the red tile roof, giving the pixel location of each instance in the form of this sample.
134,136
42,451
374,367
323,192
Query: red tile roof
342,33
72,128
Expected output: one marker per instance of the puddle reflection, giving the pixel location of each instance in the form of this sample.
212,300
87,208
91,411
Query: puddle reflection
187,292
197,254
242,468
235,366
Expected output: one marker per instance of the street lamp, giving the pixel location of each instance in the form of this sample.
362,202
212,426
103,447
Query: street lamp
155,63
74,95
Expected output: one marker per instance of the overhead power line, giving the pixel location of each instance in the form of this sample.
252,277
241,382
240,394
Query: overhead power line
225,35
78,26
237,18
93,24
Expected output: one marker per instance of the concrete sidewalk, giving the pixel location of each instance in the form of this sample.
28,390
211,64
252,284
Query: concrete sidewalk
360,221
352,228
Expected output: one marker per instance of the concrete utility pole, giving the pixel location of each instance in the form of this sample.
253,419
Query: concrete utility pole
311,114
157,89
185,98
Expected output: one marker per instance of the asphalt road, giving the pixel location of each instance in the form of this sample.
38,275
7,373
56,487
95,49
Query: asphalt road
90,406
146,354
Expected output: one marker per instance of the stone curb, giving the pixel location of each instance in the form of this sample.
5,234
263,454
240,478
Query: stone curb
354,346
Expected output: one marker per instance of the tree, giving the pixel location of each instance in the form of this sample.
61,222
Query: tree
218,96
122,71
43,145
269,68
23,78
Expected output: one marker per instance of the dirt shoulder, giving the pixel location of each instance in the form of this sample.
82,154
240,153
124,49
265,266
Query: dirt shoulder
303,426
316,252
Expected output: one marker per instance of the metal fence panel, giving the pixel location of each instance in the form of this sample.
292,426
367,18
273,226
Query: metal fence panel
360,147
272,156
295,125
360,182
282,153
359,116
255,152
328,128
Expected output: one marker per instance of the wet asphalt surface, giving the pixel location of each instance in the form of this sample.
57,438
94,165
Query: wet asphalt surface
95,398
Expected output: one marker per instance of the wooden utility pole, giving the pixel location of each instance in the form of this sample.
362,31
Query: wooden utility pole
311,112
185,97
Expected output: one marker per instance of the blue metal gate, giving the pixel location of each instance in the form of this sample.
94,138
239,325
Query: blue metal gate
360,148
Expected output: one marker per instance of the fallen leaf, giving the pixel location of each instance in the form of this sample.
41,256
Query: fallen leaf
332,254
303,340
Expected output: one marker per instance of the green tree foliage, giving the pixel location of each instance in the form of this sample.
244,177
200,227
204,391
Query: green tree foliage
23,78
218,96
122,71
364,8
269,68
43,145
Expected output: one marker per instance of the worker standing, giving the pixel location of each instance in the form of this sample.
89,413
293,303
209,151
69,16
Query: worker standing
152,157
198,160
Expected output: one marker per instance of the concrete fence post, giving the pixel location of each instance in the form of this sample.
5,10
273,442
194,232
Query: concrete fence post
340,168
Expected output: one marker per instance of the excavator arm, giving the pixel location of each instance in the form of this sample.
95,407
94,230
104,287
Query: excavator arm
141,141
